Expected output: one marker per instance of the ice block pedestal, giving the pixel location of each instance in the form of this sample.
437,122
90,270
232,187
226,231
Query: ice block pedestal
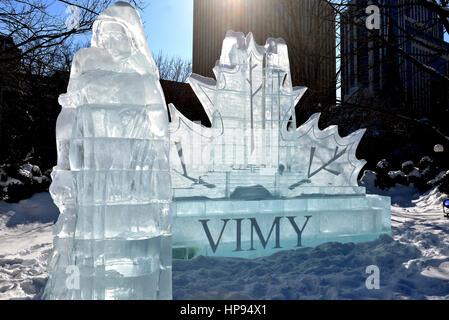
254,228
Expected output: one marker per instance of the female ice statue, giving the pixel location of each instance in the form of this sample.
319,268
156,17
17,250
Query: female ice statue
112,181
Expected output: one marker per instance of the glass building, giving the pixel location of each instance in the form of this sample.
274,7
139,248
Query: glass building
372,71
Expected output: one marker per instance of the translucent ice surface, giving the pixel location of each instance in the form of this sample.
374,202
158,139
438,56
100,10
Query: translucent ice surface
112,181
253,183
254,140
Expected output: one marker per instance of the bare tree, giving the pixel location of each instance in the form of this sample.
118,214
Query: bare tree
424,60
386,111
342,13
173,68
37,47
41,34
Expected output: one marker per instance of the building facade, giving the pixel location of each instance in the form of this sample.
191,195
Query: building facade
372,71
307,26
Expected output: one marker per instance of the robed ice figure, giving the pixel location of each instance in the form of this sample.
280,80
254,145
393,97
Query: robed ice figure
112,181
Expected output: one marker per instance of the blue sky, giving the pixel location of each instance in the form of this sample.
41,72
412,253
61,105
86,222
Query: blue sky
169,27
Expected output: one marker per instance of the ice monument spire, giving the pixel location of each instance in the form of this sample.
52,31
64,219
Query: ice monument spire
112,181
253,183
251,106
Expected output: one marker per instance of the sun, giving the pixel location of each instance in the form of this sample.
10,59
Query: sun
233,7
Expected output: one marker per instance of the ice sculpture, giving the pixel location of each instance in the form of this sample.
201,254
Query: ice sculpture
253,183
112,181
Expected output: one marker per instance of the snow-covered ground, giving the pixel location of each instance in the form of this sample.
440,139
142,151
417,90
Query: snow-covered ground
413,264
25,243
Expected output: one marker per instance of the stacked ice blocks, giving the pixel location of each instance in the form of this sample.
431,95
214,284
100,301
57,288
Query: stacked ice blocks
112,182
253,228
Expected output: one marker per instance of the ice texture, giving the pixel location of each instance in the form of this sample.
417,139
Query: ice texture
253,140
112,181
244,178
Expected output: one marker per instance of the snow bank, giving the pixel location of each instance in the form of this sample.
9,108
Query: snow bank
329,271
414,264
21,182
38,208
400,194
24,250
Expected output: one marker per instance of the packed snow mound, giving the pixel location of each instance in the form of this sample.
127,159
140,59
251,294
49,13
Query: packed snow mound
24,250
430,201
414,264
329,271
400,194
38,208
21,182
423,176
